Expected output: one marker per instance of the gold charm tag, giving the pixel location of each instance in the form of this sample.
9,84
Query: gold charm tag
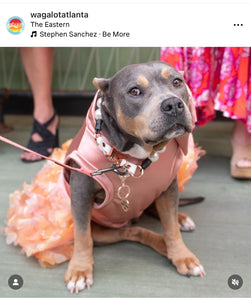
124,204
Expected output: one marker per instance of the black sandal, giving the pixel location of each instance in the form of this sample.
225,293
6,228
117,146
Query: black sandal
49,140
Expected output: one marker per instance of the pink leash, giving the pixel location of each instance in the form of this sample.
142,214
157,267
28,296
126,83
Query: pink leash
5,140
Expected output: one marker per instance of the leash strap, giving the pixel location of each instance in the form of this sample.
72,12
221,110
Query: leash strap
115,169
5,140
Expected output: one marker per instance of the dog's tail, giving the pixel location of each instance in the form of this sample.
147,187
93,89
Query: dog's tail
192,200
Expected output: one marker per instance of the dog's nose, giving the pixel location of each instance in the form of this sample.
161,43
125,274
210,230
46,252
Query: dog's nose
172,106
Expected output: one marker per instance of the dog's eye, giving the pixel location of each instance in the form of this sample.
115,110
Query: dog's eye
177,82
135,92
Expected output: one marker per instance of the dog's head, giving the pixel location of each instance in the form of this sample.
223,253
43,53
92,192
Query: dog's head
149,101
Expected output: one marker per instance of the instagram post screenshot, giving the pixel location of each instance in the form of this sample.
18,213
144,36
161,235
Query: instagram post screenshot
125,149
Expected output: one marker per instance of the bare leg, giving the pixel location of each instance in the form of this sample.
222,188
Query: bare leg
38,64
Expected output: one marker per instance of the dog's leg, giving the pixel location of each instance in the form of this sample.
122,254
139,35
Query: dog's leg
185,222
80,268
102,236
184,260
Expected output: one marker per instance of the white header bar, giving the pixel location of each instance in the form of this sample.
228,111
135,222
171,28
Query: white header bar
25,2
120,24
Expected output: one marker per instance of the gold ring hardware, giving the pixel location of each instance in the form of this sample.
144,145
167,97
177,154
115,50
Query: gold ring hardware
138,174
123,191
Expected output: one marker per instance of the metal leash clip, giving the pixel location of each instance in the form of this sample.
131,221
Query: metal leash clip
114,169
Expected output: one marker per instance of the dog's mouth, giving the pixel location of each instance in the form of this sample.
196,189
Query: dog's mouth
174,131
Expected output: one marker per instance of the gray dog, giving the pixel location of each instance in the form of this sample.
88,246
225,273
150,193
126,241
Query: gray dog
129,149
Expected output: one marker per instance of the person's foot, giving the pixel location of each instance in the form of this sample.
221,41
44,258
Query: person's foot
43,139
241,151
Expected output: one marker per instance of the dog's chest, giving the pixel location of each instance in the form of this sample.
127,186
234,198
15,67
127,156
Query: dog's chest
143,191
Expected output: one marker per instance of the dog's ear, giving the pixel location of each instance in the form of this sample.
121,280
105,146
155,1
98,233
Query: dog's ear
101,84
182,73
191,104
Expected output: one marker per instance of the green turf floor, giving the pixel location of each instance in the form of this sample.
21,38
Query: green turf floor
222,239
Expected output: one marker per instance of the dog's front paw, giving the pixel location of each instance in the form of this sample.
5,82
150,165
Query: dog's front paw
76,278
186,262
190,266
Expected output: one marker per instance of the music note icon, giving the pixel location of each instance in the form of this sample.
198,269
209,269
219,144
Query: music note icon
33,34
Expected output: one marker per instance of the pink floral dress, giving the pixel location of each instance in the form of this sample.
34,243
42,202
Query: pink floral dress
219,78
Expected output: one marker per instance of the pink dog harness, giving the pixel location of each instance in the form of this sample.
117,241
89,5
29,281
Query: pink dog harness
143,191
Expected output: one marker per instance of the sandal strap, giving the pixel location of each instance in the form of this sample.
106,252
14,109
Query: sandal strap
49,140
46,124
41,128
43,146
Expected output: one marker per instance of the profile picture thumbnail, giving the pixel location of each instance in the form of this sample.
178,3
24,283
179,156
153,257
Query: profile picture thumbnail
15,25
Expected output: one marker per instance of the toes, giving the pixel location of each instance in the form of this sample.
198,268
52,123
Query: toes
190,267
30,157
199,271
196,271
89,283
244,163
187,224
78,285
71,286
